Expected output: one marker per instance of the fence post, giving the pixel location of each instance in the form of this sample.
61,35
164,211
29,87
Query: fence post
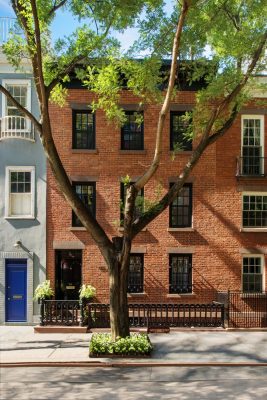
42,312
81,303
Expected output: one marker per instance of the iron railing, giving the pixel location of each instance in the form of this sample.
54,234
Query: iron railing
247,310
161,315
8,24
251,166
16,127
60,312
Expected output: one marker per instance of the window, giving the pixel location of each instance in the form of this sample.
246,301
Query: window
181,208
255,210
180,273
139,202
83,130
252,145
136,274
252,274
21,91
20,189
132,133
179,132
87,193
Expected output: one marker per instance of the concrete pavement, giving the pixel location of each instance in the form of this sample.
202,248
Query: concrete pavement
21,344
201,383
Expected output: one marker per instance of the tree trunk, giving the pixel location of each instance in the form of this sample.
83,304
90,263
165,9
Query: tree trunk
119,319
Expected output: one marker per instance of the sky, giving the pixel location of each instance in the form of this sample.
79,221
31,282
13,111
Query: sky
64,24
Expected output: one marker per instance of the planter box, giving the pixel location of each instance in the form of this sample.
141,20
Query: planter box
92,355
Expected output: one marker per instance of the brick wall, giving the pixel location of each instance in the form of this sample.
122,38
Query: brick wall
216,242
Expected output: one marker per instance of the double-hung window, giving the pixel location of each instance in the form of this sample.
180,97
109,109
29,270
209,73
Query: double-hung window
83,130
139,202
255,210
14,123
180,277
136,274
252,274
20,192
181,208
179,135
87,193
252,145
132,132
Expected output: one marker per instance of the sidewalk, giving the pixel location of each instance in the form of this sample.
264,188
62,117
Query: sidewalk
20,344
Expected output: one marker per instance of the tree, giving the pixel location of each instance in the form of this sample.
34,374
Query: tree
236,34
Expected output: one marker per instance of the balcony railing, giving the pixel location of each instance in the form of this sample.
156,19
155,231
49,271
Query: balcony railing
251,166
7,25
16,127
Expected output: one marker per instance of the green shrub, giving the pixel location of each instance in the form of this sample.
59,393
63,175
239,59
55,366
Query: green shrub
43,291
136,344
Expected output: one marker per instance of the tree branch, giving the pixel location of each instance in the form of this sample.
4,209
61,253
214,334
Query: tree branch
39,56
140,183
21,108
61,75
204,143
56,7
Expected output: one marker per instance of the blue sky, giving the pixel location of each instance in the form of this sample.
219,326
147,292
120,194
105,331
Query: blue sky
64,24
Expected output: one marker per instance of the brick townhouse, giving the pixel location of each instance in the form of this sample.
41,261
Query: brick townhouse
214,236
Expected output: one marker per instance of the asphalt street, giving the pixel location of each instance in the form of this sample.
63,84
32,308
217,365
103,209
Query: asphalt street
132,383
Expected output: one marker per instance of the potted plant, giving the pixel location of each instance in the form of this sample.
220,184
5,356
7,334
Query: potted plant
43,291
87,292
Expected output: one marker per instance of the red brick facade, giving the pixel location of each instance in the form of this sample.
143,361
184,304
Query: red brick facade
215,241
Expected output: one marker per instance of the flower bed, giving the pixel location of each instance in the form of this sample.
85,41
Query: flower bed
136,345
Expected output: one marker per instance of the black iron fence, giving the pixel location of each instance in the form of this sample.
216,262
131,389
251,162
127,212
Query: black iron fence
161,315
60,312
247,310
237,309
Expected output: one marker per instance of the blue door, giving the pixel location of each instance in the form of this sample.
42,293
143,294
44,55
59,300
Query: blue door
16,290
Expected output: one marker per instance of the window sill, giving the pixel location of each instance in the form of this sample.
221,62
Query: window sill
121,229
77,228
88,151
253,230
136,294
20,217
180,295
132,152
180,229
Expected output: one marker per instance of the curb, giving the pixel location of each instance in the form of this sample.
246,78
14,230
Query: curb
105,364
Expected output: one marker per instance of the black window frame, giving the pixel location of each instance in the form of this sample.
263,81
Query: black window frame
74,131
252,282
141,144
252,216
136,287
179,289
137,212
75,220
190,209
187,145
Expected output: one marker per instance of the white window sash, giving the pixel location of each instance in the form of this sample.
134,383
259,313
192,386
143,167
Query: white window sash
9,195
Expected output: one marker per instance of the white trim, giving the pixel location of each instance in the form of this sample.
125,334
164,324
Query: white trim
18,82
261,118
255,255
9,169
